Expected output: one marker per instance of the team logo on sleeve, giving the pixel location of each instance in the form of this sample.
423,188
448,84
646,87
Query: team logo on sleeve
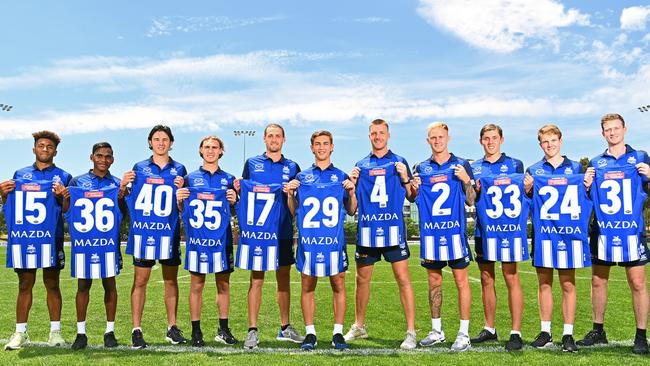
504,168
568,171
334,178
173,171
631,160
224,182
286,170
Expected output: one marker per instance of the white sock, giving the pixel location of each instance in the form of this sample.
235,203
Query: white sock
568,329
546,326
517,332
21,327
436,324
136,328
81,327
110,327
338,328
310,329
55,326
491,330
464,327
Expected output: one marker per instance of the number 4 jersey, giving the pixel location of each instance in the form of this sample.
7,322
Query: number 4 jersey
31,215
258,212
94,219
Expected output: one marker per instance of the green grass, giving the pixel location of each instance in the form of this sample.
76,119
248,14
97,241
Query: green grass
385,323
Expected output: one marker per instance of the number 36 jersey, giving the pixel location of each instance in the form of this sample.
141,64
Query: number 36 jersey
31,215
154,216
94,219
258,212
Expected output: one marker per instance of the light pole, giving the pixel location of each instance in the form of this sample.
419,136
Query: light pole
243,134
6,107
644,108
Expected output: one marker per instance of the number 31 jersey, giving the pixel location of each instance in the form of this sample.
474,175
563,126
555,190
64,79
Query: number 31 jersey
94,219
31,215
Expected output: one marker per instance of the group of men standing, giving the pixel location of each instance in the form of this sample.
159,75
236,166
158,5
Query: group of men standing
159,192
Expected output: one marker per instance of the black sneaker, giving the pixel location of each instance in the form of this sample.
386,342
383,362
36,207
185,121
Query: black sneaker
224,336
109,340
197,339
640,346
80,342
593,337
309,344
137,340
338,342
542,340
175,335
514,343
485,336
568,344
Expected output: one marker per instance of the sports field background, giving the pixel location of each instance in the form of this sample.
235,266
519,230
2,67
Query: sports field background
385,323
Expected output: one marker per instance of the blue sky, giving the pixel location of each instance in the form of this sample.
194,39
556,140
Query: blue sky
109,71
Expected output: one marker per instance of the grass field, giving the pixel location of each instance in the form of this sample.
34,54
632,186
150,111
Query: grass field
385,323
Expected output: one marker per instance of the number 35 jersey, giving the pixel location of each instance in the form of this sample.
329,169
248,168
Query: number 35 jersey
258,212
31,215
380,197
154,216
94,219
502,209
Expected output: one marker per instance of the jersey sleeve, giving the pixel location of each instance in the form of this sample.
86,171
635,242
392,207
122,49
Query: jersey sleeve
519,166
74,182
408,169
246,174
468,169
297,169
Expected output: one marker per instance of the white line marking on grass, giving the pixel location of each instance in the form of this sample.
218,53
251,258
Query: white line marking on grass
472,279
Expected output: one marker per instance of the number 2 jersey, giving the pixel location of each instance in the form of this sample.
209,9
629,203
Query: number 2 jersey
94,219
618,233
258,212
206,217
31,214
441,204
502,210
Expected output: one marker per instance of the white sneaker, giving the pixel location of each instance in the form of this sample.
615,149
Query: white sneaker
356,332
55,339
462,343
16,341
434,337
410,341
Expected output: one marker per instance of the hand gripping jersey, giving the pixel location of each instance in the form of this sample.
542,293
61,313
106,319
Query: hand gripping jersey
561,211
503,211
31,214
321,241
618,197
206,217
441,203
94,219
258,212
154,216
381,196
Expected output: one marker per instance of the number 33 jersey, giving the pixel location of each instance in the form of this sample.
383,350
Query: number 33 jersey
94,219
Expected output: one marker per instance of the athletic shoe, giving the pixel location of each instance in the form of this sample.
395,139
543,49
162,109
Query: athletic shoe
514,343
197,339
593,337
80,342
309,343
356,332
485,336
109,340
542,340
338,342
434,337
410,342
175,335
290,335
16,341
137,340
640,346
55,339
252,340
462,343
568,344
224,336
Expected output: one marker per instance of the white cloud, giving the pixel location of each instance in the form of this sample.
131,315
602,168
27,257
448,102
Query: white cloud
635,17
167,25
502,25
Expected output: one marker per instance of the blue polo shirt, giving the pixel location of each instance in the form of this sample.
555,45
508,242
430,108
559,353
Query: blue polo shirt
567,166
315,174
203,178
263,169
51,173
428,166
371,160
92,181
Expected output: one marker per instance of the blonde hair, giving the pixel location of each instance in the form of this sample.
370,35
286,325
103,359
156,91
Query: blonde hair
611,117
549,129
437,124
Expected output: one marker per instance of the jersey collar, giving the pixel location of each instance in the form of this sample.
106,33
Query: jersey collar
628,149
282,158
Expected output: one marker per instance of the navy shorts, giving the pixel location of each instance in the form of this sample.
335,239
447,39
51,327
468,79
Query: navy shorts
593,245
175,260
286,252
459,263
366,255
